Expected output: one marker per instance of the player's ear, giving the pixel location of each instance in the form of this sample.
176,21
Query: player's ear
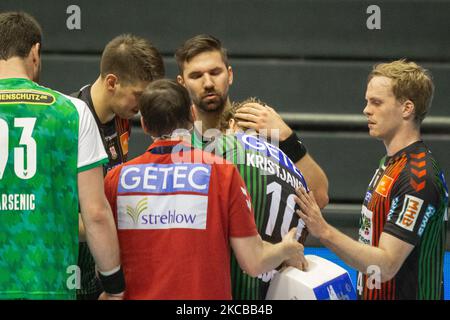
111,82
36,53
409,109
230,75
34,58
232,124
180,80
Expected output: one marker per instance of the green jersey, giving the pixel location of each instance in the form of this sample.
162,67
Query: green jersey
46,139
271,178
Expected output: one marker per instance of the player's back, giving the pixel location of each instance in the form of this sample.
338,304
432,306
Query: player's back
38,191
176,208
271,178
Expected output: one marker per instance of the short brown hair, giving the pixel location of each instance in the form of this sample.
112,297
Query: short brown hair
409,82
165,106
229,114
196,45
131,59
18,33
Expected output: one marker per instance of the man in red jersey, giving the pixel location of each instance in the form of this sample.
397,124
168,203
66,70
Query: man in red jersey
179,209
402,234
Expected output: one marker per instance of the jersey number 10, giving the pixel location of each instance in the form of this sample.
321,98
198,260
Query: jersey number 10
25,154
275,189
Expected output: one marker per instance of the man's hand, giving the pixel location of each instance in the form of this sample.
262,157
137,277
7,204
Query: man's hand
257,117
295,250
108,296
310,213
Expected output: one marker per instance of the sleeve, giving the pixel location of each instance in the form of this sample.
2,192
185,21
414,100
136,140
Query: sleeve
91,152
413,203
242,221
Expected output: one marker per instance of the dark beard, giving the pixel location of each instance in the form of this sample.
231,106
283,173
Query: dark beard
215,106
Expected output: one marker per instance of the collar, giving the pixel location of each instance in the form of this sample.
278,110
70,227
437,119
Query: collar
406,149
169,146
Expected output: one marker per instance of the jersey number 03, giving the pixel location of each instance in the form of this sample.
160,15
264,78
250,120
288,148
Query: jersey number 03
24,154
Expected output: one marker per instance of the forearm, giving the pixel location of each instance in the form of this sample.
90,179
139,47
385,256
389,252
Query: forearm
256,256
315,178
357,255
102,240
388,256
272,256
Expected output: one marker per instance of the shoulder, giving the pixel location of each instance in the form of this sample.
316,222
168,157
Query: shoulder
62,99
81,94
421,164
113,174
211,156
420,171
59,96
116,171
221,169
79,104
66,103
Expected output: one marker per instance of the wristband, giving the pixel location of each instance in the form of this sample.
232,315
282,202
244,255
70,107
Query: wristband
293,148
113,283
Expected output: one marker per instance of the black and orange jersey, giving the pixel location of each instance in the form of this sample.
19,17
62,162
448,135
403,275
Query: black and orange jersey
407,198
115,133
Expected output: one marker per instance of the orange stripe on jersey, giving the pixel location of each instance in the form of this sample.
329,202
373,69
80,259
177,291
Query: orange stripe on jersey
420,164
417,186
418,173
417,156
395,170
123,131
380,206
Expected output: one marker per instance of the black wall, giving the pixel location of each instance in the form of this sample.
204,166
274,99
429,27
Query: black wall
302,57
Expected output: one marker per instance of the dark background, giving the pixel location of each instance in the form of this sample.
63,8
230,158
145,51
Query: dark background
308,59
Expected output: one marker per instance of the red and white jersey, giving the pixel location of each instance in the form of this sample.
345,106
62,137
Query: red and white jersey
174,222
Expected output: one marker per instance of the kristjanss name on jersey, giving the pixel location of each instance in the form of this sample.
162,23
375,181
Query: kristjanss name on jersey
271,160
270,167
17,202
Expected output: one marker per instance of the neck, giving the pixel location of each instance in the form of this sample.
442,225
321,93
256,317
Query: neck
100,101
14,68
401,140
208,120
